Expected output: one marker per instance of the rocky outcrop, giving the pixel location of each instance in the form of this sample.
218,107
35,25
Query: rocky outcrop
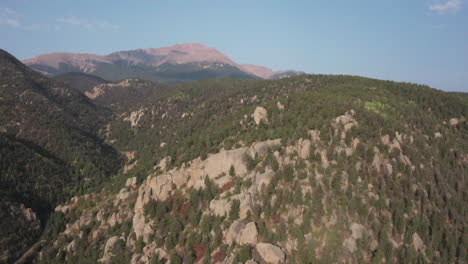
242,233
135,117
260,114
270,253
357,230
453,121
418,244
220,207
110,244
350,244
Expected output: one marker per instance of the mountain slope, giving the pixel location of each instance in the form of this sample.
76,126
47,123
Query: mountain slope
49,145
121,96
80,81
309,169
178,63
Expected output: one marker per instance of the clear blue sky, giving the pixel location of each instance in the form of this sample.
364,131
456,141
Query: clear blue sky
423,41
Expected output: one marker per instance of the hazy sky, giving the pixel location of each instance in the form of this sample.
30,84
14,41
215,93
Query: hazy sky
423,41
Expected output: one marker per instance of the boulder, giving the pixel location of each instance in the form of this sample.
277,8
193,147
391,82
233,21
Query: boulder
242,233
220,207
357,230
248,235
270,253
260,114
453,121
350,244
234,232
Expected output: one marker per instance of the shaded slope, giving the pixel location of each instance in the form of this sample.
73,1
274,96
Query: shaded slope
49,144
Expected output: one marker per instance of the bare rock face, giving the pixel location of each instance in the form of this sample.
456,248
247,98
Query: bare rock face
350,244
220,207
453,121
270,253
357,230
242,233
418,244
221,162
249,234
260,114
263,179
110,244
131,182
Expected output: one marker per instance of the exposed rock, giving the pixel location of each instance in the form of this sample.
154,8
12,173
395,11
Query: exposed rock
249,234
241,233
304,148
134,117
261,148
110,244
220,207
71,248
357,230
350,244
131,182
251,262
260,114
453,121
270,253
160,253
234,231
314,135
280,106
418,244
263,179
228,260
219,163
437,135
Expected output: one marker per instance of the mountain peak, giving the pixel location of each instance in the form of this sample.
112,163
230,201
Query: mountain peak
198,59
188,53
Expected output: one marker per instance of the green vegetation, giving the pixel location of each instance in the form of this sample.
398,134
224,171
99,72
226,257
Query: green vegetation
396,169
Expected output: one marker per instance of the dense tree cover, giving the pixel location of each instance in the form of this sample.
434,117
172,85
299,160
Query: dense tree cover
168,72
422,191
49,146
214,109
80,81
412,198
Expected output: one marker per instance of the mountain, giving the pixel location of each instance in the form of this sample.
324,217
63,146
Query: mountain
123,95
49,148
308,169
178,63
267,73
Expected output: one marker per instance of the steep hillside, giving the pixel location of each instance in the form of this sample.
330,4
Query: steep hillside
309,169
49,146
80,81
123,95
174,64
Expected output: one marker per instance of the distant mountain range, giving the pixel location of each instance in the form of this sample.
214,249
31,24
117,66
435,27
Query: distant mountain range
178,63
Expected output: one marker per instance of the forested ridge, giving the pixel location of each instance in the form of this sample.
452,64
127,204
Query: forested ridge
307,169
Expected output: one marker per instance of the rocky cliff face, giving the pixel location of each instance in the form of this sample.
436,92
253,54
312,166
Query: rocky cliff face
270,202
